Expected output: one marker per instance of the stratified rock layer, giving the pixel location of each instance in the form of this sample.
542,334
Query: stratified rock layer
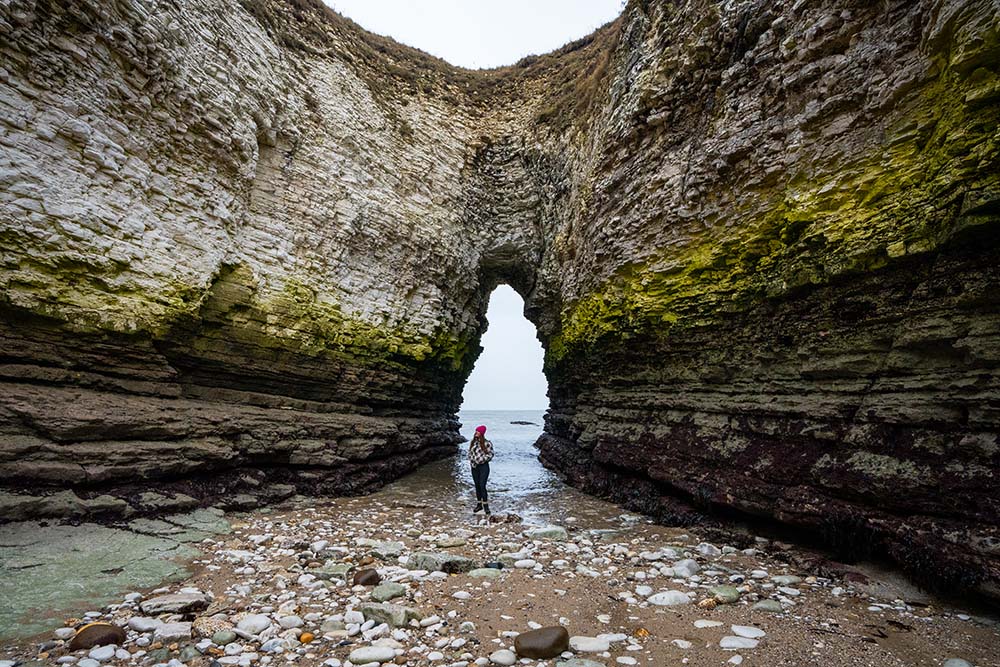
221,256
247,248
793,233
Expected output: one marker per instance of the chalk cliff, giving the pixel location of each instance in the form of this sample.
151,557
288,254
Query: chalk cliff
246,247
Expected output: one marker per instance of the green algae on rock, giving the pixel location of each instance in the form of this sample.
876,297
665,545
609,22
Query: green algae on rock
48,572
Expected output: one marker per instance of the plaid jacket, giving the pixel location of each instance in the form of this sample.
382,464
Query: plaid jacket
480,455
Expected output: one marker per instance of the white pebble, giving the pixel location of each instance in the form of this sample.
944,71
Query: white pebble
748,631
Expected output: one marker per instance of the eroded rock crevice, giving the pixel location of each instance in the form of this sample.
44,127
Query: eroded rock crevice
246,247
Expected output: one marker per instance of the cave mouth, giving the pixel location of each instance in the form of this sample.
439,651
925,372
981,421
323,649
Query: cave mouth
508,372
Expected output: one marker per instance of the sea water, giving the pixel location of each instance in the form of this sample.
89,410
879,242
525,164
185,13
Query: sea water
515,471
518,482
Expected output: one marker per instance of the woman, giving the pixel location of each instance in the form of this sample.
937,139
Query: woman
480,454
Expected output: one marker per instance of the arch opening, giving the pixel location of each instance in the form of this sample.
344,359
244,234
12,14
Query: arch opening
507,375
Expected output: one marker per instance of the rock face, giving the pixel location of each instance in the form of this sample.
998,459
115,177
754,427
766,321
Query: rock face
247,249
223,254
785,302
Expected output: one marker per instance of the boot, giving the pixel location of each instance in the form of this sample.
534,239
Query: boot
479,507
486,508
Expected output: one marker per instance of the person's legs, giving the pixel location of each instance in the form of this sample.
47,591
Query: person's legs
480,483
485,474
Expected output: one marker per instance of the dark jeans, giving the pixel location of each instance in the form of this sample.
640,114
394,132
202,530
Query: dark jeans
480,474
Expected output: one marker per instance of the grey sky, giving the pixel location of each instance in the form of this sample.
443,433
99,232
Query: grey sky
508,374
483,34
480,33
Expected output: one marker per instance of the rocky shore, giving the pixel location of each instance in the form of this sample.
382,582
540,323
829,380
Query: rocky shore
407,576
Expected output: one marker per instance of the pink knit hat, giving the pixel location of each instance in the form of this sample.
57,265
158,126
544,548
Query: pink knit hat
480,429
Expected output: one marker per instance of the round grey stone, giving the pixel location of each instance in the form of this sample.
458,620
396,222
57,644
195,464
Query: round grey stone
366,654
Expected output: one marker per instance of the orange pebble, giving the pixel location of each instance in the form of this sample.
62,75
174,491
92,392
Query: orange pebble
306,637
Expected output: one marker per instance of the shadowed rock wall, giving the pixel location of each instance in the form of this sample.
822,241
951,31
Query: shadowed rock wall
223,254
784,300
247,249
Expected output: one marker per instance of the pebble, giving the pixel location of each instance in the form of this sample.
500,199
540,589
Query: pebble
503,657
709,550
275,645
702,623
388,591
747,631
735,643
103,653
289,622
377,654
143,624
449,542
770,606
367,577
86,662
669,599
485,573
956,662
176,603
686,568
725,594
97,634
172,632
557,533
544,643
223,637
254,624
187,654
588,644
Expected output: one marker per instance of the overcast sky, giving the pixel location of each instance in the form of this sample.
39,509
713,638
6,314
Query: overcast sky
484,34
480,33
508,374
